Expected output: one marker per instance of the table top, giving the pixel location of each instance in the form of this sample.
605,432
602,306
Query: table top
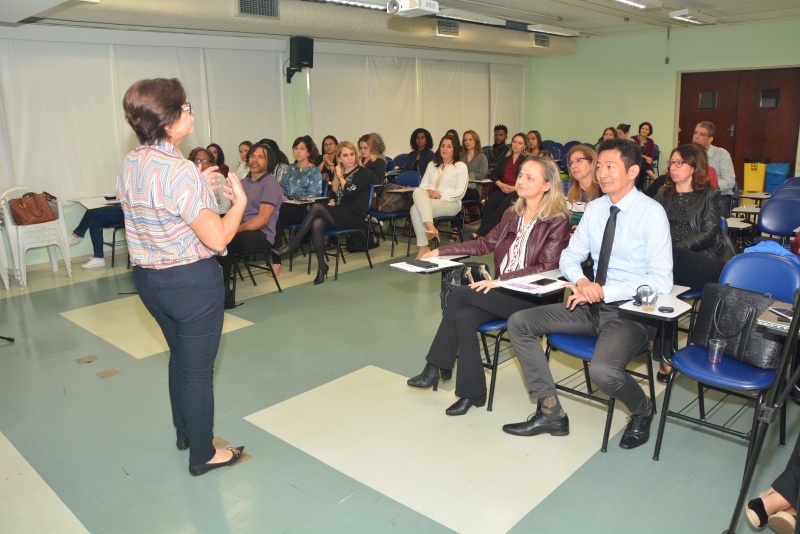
737,223
771,321
672,300
746,209
401,190
483,181
756,195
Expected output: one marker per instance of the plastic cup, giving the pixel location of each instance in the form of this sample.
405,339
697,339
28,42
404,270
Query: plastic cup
716,347
649,298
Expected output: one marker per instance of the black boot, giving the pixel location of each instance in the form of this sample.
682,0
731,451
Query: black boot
322,274
285,250
430,377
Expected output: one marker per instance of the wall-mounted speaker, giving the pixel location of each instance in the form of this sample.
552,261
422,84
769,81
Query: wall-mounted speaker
301,52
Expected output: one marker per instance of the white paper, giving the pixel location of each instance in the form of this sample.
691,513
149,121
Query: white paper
441,264
527,284
91,203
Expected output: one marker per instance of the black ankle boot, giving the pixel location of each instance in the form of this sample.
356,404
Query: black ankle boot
430,377
285,250
322,274
462,405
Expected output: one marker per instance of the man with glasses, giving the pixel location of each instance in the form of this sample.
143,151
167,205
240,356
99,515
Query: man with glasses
720,160
628,234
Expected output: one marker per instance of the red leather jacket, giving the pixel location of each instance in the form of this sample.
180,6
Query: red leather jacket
545,243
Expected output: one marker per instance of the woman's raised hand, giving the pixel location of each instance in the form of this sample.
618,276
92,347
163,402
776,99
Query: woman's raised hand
233,190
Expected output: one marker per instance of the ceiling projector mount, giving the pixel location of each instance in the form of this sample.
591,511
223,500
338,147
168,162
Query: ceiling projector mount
412,8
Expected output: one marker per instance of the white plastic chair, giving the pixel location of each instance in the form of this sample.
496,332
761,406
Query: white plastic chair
21,238
3,259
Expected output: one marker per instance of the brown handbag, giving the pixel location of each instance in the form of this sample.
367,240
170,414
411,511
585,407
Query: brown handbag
393,202
32,208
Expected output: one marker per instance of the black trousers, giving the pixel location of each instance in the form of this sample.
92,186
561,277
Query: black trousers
247,242
497,203
788,482
695,269
457,336
289,214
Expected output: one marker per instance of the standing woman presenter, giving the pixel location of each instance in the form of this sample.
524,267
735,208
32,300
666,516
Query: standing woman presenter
173,231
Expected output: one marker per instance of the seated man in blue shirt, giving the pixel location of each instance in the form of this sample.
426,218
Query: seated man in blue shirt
632,248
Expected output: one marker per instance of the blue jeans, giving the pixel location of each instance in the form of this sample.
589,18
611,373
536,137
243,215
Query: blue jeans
94,220
187,302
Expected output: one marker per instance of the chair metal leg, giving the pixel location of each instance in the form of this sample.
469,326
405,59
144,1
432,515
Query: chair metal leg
651,380
485,348
701,401
494,367
664,410
113,246
338,253
586,375
607,431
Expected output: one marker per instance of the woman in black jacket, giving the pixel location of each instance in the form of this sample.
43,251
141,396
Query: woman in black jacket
421,151
504,176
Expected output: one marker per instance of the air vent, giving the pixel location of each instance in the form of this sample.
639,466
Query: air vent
446,28
539,40
261,8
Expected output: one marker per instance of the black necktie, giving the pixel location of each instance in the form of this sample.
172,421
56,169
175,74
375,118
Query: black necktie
605,247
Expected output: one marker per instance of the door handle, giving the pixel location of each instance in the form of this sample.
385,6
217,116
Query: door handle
732,129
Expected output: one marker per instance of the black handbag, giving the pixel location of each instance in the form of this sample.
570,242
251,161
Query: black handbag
465,275
730,313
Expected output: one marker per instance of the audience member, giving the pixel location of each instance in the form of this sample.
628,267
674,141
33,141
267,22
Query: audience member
173,228
94,221
204,160
499,149
528,240
641,254
439,194
372,148
776,506
219,158
720,160
351,187
244,148
421,151
608,133
504,177
646,145
256,233
583,186
534,146
326,162
473,157
623,130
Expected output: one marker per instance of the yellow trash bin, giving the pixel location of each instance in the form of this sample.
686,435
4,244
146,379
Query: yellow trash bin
755,174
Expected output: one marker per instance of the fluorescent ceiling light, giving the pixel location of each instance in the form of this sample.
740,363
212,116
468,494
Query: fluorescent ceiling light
642,4
469,16
552,30
692,16
354,3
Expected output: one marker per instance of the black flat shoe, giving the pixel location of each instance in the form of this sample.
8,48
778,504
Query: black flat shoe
182,444
662,377
322,274
536,424
637,433
430,376
197,470
462,405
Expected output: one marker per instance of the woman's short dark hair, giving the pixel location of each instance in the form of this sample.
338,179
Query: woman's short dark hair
220,153
195,151
624,127
313,151
332,138
695,156
648,125
278,152
272,157
428,139
152,105
437,158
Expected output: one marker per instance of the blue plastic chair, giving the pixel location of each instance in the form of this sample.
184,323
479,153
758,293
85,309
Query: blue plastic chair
405,179
338,234
762,273
582,347
779,217
389,164
791,182
400,161
787,192
656,154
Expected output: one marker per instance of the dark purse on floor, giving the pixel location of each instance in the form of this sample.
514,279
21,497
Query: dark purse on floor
730,313
465,275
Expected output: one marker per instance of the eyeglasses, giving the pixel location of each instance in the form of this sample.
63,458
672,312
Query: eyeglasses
202,160
677,163
578,160
187,107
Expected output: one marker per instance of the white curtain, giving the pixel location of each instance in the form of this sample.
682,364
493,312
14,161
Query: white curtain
339,97
507,90
393,110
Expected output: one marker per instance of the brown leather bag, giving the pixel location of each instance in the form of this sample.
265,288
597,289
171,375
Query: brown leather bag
392,202
32,208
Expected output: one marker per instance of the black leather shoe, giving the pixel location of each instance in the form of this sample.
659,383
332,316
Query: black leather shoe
430,377
637,433
462,405
197,470
284,251
182,444
537,424
322,274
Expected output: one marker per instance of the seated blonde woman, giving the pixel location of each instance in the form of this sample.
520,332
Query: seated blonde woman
583,186
528,240
439,193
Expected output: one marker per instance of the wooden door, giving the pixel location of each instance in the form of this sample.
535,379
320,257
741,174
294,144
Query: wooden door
697,89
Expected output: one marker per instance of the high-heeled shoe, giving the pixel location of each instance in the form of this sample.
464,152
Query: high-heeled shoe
430,376
430,235
462,405
284,251
197,470
322,274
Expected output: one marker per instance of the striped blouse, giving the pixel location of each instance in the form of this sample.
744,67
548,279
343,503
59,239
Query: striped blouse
161,194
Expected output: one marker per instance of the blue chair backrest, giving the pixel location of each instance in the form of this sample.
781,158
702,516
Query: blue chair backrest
779,216
786,192
656,153
565,183
370,197
400,161
389,164
409,179
723,224
763,273
791,182
568,146
487,148
324,188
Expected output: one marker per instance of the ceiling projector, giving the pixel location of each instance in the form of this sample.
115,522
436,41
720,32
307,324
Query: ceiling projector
412,8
